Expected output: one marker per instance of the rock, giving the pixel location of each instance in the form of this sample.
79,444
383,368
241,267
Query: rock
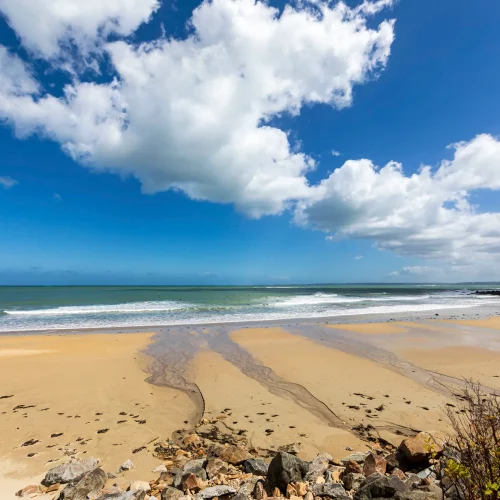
318,467
417,495
170,493
123,495
216,491
139,486
419,449
192,482
247,487
29,490
256,466
52,488
309,496
374,463
301,488
88,486
259,492
329,490
70,471
215,466
398,473
127,465
333,474
423,474
353,480
378,486
352,466
293,448
160,468
111,475
233,454
357,457
276,492
191,439
412,480
285,469
193,465
392,462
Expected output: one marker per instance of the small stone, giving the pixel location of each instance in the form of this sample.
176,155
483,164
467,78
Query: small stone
374,462
233,454
192,482
256,466
301,488
29,490
259,492
318,466
160,468
353,480
293,448
170,493
285,469
216,466
127,465
86,487
357,457
191,439
276,492
194,465
290,491
139,486
216,491
329,490
70,471
309,496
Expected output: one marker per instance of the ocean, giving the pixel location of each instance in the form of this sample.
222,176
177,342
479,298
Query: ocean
81,307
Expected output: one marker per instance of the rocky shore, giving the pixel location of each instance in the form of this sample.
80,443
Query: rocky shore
216,461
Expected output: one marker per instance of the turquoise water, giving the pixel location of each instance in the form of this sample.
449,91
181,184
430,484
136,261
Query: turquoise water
42,308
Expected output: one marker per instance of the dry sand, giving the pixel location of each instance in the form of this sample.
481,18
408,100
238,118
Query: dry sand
354,388
493,323
371,328
77,385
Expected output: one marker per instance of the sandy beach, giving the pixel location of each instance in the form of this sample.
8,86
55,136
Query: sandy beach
112,395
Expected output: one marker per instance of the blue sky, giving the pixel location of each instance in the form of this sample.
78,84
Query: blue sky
163,213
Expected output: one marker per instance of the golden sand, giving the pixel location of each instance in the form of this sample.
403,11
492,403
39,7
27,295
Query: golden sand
77,385
371,328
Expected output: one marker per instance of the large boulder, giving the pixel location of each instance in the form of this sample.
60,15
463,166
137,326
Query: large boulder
285,469
86,487
70,471
256,466
379,486
420,448
318,467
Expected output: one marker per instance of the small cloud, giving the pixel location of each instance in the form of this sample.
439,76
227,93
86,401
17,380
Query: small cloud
57,197
208,274
412,270
329,238
335,152
7,182
358,257
394,273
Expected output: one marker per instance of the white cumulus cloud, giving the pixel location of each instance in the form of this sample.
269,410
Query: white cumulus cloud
48,26
195,114
427,214
7,182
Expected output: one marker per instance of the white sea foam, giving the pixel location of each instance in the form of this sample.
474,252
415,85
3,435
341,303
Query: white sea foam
133,307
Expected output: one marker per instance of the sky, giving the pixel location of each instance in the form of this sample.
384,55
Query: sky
243,142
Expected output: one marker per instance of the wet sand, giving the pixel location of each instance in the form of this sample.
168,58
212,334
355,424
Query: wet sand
313,383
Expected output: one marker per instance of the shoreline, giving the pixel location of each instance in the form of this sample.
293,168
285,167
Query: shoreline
460,313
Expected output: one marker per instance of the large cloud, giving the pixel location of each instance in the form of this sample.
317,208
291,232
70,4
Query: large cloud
427,214
195,114
47,26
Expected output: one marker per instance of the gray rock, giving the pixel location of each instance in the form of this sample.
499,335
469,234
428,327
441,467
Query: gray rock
140,486
160,468
215,466
71,471
215,491
285,469
378,486
352,481
194,465
425,473
357,457
318,467
127,465
293,448
256,466
123,495
416,495
177,481
330,490
86,487
170,493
